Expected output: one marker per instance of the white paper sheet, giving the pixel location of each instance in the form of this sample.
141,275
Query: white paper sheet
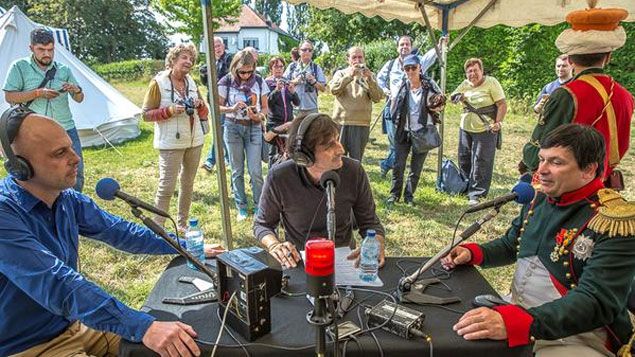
345,271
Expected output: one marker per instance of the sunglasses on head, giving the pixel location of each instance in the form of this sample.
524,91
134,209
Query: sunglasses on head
410,68
245,72
306,49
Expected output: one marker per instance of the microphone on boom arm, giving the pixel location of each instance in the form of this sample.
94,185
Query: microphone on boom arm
108,188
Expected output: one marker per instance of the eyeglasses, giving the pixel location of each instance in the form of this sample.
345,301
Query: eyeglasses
245,72
410,68
306,49
277,66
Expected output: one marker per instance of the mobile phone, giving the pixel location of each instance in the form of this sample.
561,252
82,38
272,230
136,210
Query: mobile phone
344,329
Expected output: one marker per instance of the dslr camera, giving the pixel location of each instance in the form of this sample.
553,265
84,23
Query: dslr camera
188,103
308,87
250,105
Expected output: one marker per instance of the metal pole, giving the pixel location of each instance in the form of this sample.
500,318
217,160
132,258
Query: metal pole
210,60
472,24
444,78
433,38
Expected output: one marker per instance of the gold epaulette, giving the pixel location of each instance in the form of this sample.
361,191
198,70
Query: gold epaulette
615,217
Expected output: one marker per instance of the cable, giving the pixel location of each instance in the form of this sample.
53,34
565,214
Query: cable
222,325
372,334
232,335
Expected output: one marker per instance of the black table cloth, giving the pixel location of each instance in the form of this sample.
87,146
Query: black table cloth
291,330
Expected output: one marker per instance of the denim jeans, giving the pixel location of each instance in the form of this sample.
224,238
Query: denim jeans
77,147
211,154
244,141
389,162
402,149
476,160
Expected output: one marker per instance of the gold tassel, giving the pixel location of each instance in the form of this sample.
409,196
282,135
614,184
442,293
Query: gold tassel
615,217
592,3
625,351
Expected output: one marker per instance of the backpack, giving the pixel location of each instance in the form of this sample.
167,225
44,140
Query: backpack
452,180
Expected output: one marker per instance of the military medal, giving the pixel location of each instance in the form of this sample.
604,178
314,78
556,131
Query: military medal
563,239
583,247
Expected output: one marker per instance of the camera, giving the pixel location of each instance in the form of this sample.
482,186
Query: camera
308,87
360,66
243,111
188,103
282,80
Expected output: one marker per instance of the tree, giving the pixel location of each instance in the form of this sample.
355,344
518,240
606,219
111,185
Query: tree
297,20
186,16
104,30
271,9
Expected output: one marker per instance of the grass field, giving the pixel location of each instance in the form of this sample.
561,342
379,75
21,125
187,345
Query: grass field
421,230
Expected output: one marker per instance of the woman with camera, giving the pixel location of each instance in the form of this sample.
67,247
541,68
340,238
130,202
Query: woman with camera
282,98
179,113
242,96
414,112
484,108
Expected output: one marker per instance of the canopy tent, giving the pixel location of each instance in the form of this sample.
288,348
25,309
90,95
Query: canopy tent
105,115
448,15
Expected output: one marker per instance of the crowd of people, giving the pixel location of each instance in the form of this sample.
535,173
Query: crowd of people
571,244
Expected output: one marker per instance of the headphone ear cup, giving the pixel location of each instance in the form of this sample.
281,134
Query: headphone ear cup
21,168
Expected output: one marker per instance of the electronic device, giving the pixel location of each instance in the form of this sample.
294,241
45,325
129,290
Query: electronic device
344,329
301,154
10,123
488,301
254,276
405,322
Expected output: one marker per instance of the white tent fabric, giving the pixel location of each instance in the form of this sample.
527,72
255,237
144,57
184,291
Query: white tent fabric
105,115
507,12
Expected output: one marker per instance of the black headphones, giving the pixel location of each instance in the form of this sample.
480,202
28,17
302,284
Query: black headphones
10,123
301,154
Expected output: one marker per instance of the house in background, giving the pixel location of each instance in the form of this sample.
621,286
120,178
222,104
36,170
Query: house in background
251,29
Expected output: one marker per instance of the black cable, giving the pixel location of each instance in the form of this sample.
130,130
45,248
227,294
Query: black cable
231,334
372,334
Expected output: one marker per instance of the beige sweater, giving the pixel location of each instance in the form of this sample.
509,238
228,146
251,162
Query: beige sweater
353,100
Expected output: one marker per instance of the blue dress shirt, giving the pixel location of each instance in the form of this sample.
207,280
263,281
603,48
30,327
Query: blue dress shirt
41,292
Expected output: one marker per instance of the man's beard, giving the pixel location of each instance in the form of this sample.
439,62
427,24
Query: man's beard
42,62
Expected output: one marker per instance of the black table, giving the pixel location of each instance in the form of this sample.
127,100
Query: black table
290,328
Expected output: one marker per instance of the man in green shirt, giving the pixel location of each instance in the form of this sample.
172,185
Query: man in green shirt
43,85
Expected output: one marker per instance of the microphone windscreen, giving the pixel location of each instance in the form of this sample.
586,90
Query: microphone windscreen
330,176
524,192
106,188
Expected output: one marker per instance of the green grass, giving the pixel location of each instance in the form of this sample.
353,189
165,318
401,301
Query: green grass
411,231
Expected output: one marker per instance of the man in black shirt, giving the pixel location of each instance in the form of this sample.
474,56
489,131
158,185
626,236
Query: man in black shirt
292,193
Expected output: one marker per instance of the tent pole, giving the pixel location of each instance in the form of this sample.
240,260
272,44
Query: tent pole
444,75
108,141
433,38
212,88
472,24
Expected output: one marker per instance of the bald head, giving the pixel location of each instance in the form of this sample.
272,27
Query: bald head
36,132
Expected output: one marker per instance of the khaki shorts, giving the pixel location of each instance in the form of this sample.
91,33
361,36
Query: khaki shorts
77,340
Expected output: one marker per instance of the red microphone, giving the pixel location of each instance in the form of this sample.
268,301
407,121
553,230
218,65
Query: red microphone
319,266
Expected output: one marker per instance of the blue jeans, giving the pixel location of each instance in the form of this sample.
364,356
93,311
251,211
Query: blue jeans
389,162
77,147
211,155
241,141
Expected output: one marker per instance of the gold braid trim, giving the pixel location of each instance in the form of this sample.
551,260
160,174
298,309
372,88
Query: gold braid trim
615,217
625,351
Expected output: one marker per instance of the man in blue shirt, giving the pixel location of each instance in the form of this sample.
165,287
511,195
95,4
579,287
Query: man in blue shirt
564,72
47,307
43,85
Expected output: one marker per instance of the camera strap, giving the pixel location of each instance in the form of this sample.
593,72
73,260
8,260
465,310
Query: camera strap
187,87
48,76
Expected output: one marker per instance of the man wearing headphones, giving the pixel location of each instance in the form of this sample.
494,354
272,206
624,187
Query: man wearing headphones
48,307
292,193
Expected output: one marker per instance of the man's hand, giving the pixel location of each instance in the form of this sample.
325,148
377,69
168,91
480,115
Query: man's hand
47,93
457,256
212,250
285,253
70,88
381,257
171,339
481,323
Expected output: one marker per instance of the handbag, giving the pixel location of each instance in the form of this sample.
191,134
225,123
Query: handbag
452,180
425,139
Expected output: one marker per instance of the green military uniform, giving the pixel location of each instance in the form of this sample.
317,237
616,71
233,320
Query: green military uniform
586,242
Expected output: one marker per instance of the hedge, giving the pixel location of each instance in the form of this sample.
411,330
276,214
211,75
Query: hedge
129,70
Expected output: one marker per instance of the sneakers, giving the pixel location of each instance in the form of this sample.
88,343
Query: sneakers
390,202
207,166
473,201
242,214
410,203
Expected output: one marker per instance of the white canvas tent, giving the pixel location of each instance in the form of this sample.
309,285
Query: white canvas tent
105,115
448,15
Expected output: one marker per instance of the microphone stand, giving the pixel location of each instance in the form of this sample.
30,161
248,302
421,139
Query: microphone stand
158,230
330,211
405,291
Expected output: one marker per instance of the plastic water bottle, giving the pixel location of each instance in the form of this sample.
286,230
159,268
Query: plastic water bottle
369,253
195,243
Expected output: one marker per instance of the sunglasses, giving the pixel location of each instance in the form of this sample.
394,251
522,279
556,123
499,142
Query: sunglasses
410,68
306,49
245,72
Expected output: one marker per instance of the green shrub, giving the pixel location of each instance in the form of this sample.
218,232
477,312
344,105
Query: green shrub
129,70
